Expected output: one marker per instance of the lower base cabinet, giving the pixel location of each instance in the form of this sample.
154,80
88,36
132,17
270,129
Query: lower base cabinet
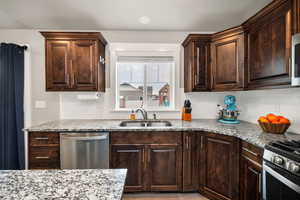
192,145
153,160
219,169
131,157
43,150
251,180
164,167
251,172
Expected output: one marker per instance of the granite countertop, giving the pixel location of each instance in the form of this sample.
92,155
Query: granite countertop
246,131
94,184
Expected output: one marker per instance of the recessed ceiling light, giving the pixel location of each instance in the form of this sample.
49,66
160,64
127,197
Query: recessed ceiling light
144,20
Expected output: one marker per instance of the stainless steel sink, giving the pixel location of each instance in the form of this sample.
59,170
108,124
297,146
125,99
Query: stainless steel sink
145,123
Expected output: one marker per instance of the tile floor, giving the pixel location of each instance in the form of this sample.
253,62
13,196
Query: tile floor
163,196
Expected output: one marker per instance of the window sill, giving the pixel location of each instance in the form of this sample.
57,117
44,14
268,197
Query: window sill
148,110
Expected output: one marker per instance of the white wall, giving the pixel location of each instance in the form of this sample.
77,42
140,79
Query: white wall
252,104
53,109
65,105
284,102
37,57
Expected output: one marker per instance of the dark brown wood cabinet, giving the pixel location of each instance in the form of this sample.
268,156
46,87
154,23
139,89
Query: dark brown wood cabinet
153,160
164,167
197,62
255,55
251,172
75,61
296,16
219,170
84,64
268,36
227,54
131,157
192,145
43,150
218,166
58,65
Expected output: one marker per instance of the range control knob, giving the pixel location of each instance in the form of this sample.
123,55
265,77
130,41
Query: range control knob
277,160
293,167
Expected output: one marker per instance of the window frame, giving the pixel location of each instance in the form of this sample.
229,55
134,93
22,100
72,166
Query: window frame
143,49
145,104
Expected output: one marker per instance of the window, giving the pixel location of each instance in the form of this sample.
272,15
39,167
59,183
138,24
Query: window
145,81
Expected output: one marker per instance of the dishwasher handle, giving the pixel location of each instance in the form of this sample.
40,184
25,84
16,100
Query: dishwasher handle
87,137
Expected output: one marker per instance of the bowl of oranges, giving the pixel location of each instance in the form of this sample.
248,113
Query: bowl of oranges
274,124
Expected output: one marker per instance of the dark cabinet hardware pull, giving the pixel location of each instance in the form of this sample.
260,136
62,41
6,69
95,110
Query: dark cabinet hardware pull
128,151
42,157
251,152
164,150
201,145
42,138
187,142
149,154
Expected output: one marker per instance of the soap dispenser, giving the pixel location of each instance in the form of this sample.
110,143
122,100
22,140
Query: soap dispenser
132,115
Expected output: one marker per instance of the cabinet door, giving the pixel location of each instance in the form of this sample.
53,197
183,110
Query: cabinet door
131,157
221,177
196,66
228,63
164,167
269,46
250,179
84,65
58,65
192,144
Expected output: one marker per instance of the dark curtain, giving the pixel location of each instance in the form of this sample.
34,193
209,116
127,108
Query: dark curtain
12,152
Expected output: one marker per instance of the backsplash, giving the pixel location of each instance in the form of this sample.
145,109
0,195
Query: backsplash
279,101
251,103
102,108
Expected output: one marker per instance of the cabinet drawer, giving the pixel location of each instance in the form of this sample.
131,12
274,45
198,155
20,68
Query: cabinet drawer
45,165
43,139
252,152
146,138
44,154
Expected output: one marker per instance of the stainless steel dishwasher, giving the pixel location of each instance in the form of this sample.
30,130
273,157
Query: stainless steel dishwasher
84,150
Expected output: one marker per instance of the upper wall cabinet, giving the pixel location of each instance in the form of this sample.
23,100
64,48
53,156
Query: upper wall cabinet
268,36
75,61
197,62
227,54
255,55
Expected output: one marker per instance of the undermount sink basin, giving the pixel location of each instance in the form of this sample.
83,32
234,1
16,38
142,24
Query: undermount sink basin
145,123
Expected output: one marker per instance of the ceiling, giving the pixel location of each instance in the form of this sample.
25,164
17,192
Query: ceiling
165,15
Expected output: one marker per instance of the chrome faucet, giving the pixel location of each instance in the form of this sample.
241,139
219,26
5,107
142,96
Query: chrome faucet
144,113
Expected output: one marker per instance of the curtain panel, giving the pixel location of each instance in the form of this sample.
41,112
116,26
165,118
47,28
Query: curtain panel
12,152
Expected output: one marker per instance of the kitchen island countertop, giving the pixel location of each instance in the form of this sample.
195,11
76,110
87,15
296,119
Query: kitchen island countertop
93,184
246,131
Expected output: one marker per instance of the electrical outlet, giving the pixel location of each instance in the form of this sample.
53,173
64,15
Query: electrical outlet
40,104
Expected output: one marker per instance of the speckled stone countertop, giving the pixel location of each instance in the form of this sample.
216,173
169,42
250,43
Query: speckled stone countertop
246,131
94,184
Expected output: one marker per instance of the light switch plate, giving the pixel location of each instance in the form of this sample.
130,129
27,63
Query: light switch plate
40,104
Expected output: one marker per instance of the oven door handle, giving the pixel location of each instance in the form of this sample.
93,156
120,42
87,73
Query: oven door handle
278,176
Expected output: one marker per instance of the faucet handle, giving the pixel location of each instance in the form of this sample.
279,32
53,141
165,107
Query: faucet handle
154,116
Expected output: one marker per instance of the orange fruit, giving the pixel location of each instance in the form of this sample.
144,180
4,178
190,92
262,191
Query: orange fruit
270,114
280,117
263,120
272,118
284,121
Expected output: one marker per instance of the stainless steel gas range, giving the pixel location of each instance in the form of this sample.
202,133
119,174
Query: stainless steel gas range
281,171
